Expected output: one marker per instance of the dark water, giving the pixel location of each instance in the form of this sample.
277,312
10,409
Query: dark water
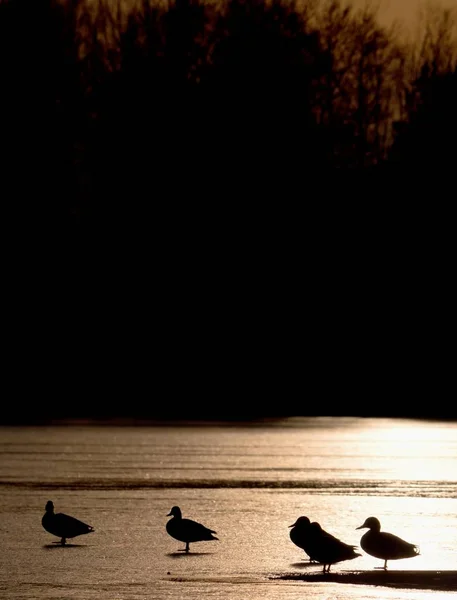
247,483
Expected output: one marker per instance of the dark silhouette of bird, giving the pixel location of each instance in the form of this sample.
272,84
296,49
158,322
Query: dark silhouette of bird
187,530
328,549
300,535
63,525
382,544
321,546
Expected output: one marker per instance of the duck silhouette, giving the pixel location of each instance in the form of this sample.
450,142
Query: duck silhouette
300,534
382,544
320,545
187,530
63,525
328,549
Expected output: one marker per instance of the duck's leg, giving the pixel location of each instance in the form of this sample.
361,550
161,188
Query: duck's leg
385,565
63,541
187,546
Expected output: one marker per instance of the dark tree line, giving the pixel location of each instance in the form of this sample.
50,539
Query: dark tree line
109,111
174,184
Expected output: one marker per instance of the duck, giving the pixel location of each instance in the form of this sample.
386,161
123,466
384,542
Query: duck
328,549
62,525
320,545
299,534
187,530
384,545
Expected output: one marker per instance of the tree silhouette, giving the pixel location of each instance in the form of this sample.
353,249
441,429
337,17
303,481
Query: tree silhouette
266,63
426,143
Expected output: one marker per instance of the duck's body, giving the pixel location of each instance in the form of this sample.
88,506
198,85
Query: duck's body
384,545
321,546
187,530
328,550
62,525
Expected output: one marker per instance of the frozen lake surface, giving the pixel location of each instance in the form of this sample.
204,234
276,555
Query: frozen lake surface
248,483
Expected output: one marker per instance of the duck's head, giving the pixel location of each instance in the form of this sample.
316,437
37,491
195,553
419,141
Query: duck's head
301,522
175,512
49,506
371,523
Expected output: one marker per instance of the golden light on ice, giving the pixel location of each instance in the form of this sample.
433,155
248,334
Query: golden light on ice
414,449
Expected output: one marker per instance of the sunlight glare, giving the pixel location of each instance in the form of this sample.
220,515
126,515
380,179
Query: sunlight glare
413,450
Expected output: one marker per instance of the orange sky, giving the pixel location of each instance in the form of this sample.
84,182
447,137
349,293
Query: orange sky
406,10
